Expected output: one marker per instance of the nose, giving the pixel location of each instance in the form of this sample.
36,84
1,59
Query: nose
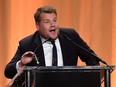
52,24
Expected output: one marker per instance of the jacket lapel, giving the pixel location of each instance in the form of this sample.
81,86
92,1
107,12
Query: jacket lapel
37,47
64,49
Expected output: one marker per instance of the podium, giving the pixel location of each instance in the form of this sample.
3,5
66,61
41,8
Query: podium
68,76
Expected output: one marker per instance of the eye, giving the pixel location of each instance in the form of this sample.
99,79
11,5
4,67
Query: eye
55,20
46,21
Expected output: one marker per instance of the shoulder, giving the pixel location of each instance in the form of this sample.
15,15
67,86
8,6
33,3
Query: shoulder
69,31
29,39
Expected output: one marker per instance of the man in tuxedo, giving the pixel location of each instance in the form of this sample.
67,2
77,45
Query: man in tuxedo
40,44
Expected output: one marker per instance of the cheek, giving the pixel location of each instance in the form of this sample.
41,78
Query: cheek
45,26
44,30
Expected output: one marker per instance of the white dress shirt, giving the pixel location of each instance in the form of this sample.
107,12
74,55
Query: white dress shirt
47,48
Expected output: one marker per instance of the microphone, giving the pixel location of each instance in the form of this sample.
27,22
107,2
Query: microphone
82,48
36,59
11,83
38,47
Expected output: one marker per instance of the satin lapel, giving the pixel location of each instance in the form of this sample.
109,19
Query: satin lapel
39,52
64,49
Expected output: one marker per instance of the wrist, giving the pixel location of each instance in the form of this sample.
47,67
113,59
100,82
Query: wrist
20,64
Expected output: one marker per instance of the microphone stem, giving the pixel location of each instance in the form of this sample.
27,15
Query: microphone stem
37,48
99,59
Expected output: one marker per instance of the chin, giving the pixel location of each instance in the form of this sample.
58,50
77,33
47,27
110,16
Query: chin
54,38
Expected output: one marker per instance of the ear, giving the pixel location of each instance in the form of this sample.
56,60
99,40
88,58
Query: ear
37,25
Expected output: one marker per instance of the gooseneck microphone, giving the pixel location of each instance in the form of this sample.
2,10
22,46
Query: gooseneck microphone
82,48
85,50
11,83
37,48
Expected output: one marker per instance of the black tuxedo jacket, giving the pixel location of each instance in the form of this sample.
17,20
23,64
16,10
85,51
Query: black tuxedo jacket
69,50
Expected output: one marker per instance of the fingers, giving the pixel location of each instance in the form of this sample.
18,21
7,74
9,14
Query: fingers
27,57
28,54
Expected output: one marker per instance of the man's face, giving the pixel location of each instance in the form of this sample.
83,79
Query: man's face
48,26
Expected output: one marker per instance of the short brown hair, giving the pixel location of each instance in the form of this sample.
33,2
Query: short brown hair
44,9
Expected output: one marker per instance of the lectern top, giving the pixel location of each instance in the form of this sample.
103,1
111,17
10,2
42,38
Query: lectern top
44,68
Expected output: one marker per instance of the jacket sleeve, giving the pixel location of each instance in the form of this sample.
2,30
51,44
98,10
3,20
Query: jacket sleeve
10,69
84,56
24,46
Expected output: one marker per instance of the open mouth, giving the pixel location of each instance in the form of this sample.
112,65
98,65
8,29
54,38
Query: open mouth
53,30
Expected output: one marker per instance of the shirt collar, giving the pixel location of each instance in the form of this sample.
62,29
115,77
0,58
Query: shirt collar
43,39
